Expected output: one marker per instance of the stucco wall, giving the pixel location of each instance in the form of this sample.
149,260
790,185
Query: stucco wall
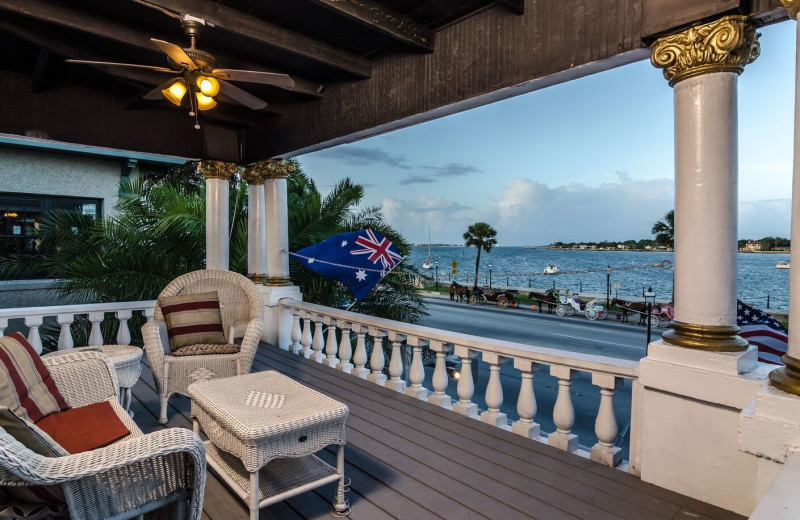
53,173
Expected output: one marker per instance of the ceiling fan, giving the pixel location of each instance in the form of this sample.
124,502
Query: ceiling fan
199,75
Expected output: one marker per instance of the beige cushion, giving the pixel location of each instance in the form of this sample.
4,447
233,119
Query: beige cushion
192,319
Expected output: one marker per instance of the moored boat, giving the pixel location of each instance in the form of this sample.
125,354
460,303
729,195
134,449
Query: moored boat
551,269
782,265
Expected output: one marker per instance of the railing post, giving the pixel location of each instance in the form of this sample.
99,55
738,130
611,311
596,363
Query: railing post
317,343
563,411
34,322
331,347
605,426
296,334
494,393
3,325
345,348
306,337
65,334
96,336
124,332
466,387
439,397
360,357
396,381
526,403
377,360
416,372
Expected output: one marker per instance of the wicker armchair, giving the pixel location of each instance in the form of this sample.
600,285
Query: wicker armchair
133,476
241,304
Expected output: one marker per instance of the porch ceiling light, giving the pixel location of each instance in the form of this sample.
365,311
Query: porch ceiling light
175,92
204,102
208,85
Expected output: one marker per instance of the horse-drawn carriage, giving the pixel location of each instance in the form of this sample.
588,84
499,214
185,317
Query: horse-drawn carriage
593,309
503,298
660,315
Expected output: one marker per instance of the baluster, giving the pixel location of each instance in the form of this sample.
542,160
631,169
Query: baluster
345,348
96,336
376,360
306,337
466,387
494,393
396,381
330,345
3,325
416,372
317,343
605,426
563,412
526,403
439,397
148,313
124,333
360,357
296,347
34,322
65,334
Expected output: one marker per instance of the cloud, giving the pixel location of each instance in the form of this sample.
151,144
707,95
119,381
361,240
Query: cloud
453,170
623,177
364,156
416,179
765,218
447,219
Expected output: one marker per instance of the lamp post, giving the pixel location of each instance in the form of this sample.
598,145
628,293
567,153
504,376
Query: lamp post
490,275
436,267
608,283
649,300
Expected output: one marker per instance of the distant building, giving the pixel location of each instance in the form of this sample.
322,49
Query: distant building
622,246
752,245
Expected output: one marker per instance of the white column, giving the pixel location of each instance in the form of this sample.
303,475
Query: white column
466,386
396,381
605,426
494,393
563,411
440,381
416,372
277,217
217,175
526,402
256,224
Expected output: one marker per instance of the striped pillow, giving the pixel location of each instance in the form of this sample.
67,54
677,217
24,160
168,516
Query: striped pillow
192,319
26,386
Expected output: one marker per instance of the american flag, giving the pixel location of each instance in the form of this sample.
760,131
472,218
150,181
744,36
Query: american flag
763,331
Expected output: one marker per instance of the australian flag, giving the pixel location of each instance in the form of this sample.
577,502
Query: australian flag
359,259
763,331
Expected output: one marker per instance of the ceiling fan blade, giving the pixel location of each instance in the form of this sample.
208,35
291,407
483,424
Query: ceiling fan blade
131,65
156,92
176,53
254,76
241,97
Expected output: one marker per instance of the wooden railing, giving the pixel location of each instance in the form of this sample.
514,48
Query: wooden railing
65,315
313,335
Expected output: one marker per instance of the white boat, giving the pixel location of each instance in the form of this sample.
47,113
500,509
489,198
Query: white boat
551,269
782,265
427,264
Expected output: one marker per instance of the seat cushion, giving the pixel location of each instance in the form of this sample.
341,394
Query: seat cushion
26,386
192,319
205,348
85,428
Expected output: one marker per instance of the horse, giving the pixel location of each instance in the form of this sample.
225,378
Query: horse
548,297
626,306
463,292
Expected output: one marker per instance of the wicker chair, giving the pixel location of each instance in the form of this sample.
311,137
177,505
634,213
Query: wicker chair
241,305
133,476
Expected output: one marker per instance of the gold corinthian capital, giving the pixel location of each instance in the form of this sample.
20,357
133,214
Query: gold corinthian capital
217,169
724,45
793,6
269,169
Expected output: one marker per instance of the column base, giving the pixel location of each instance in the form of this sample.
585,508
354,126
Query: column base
276,281
417,392
468,409
787,378
498,419
378,379
608,455
722,338
257,279
319,357
442,400
563,441
347,368
277,321
398,385
331,362
362,372
296,349
530,430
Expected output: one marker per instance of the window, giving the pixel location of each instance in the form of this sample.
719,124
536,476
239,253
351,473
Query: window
21,214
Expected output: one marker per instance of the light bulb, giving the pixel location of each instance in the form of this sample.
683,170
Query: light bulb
204,102
175,92
208,85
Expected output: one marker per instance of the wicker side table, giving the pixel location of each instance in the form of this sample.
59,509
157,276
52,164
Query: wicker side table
255,418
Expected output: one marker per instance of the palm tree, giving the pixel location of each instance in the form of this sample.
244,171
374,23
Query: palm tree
664,230
482,236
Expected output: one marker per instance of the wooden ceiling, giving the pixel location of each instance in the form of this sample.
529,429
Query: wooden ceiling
352,60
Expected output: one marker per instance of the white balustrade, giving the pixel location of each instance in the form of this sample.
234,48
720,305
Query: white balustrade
65,336
34,322
317,342
376,360
123,332
295,336
416,372
396,381
563,411
526,402
466,386
360,357
345,348
605,426
439,380
494,393
96,335
306,338
330,344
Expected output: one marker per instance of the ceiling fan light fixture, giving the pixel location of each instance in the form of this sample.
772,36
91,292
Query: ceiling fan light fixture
204,102
175,92
208,85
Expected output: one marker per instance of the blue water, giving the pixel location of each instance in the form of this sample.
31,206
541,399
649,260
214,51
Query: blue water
518,267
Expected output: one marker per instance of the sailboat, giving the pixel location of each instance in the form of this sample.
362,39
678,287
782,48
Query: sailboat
427,264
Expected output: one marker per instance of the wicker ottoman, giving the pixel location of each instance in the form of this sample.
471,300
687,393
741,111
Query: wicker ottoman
264,429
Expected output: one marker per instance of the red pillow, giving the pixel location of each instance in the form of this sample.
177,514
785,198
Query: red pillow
85,428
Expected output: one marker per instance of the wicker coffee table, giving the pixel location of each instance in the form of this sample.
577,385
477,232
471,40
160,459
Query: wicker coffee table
264,429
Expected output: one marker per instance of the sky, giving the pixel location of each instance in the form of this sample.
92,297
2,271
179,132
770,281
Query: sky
587,160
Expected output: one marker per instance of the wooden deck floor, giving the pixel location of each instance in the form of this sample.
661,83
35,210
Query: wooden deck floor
411,460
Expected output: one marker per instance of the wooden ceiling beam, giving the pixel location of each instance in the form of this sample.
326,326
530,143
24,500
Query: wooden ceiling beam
59,14
264,32
516,6
384,21
39,77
